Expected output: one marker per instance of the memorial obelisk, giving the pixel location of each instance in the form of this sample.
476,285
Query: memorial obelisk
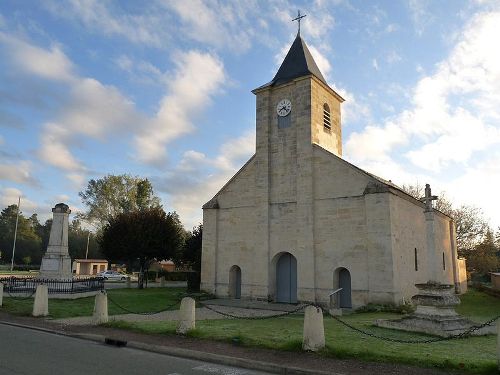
56,263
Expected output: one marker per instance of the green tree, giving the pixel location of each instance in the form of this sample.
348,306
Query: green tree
111,195
191,254
483,258
143,236
28,243
78,237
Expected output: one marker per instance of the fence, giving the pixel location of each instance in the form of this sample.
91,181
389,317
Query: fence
18,285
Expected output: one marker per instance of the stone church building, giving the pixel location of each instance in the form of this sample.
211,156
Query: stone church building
298,222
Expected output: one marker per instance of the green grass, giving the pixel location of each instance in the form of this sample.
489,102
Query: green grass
475,355
137,300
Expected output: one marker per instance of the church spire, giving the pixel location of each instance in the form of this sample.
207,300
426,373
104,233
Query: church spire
297,63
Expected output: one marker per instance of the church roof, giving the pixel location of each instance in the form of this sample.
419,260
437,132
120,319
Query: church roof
297,63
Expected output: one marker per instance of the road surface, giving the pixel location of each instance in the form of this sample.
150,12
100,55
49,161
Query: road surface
26,351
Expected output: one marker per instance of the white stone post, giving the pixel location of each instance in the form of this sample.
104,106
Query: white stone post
314,330
129,284
187,315
41,304
1,294
162,281
498,342
100,314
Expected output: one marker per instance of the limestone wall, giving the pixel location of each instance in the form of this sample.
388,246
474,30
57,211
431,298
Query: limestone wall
329,139
409,233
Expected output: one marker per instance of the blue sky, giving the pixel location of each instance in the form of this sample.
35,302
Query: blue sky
162,89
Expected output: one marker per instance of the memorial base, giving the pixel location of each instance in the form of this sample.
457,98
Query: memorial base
435,314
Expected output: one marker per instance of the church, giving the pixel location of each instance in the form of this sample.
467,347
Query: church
298,222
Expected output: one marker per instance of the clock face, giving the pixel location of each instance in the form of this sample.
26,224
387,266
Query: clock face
284,107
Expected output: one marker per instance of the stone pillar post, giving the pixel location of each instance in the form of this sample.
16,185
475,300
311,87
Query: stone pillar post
56,263
129,284
498,342
432,259
162,281
314,330
100,314
187,316
41,304
1,294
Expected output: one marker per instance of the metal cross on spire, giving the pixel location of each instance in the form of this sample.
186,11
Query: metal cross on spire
299,18
428,198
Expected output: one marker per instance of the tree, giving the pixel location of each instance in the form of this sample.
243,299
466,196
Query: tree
28,243
483,259
144,236
191,253
112,195
78,237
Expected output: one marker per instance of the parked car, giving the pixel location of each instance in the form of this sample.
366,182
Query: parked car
112,275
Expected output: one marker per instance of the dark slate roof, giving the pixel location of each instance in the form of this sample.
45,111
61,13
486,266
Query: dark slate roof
298,63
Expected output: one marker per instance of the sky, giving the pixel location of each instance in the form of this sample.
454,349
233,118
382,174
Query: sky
162,89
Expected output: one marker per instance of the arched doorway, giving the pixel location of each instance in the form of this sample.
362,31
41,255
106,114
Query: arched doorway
286,279
235,282
345,284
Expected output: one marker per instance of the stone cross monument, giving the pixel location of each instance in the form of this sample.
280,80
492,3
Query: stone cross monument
56,263
432,257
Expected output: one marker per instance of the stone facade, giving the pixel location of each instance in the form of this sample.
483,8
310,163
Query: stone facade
297,196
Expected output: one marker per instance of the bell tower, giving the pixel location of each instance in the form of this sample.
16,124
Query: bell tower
299,100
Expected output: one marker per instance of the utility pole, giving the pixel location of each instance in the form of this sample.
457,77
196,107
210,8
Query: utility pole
15,235
87,251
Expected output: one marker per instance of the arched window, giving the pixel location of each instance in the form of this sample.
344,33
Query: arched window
327,122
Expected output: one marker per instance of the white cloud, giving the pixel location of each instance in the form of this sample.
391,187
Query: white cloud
453,121
189,186
322,62
19,172
393,57
452,112
375,64
9,196
198,77
420,14
52,64
99,16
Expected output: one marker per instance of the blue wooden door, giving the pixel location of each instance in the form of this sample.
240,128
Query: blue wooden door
286,279
345,284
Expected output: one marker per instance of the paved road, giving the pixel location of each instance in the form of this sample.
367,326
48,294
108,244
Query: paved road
25,351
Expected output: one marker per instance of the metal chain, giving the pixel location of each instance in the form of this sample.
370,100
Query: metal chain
233,316
141,313
21,298
461,335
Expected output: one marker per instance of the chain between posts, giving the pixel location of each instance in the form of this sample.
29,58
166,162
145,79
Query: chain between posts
232,316
21,298
461,335
142,313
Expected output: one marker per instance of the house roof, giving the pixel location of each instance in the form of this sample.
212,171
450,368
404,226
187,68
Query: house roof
297,63
91,260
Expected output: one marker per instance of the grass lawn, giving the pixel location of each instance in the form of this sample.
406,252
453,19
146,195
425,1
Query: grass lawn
137,300
473,355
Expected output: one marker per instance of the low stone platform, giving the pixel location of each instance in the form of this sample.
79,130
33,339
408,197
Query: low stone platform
435,314
435,325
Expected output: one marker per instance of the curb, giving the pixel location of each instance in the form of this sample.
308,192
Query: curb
186,353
